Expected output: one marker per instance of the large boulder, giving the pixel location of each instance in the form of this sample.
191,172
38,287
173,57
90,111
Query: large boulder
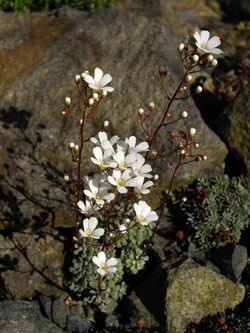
40,56
195,292
30,264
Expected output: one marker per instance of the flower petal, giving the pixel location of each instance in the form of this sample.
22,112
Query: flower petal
98,75
102,257
105,80
93,223
111,262
99,232
213,42
205,36
108,89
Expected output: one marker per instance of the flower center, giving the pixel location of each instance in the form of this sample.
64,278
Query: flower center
89,233
103,266
120,182
98,196
122,166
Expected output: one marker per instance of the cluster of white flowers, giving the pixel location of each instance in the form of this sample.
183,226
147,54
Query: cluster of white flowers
122,168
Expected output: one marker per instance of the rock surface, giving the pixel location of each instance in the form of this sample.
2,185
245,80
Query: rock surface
40,56
34,262
24,317
234,128
196,292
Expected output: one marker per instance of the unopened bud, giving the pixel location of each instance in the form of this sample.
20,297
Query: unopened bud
197,158
156,177
183,152
95,96
154,153
66,178
83,75
192,131
184,199
181,47
195,58
67,100
163,71
152,105
184,114
204,157
210,58
91,101
81,121
214,63
71,145
76,148
64,112
127,220
189,78
106,124
141,112
197,145
104,93
78,78
198,89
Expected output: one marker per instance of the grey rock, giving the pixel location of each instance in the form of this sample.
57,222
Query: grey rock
234,128
76,324
60,313
24,317
239,260
34,137
231,260
35,262
46,305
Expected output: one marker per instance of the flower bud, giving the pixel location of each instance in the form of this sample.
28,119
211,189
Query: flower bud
181,47
163,71
66,178
152,105
197,158
141,112
198,89
184,199
67,100
95,96
197,145
91,101
192,131
214,63
204,157
77,78
106,123
71,145
189,78
195,58
210,58
104,93
127,220
64,112
81,121
76,148
156,177
184,114
154,153
83,75
183,152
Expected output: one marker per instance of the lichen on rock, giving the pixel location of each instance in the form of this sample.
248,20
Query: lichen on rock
197,291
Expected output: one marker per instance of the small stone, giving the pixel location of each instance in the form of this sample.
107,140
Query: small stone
80,325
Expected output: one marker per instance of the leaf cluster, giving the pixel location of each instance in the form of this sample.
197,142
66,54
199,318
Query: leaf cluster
217,210
46,5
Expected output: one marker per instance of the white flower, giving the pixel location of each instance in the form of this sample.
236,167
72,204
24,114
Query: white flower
90,230
205,44
99,81
98,189
121,180
103,159
141,147
123,161
86,208
103,141
141,170
105,265
141,188
144,214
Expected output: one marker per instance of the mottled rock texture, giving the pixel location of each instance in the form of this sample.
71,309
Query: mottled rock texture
31,264
24,317
196,292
